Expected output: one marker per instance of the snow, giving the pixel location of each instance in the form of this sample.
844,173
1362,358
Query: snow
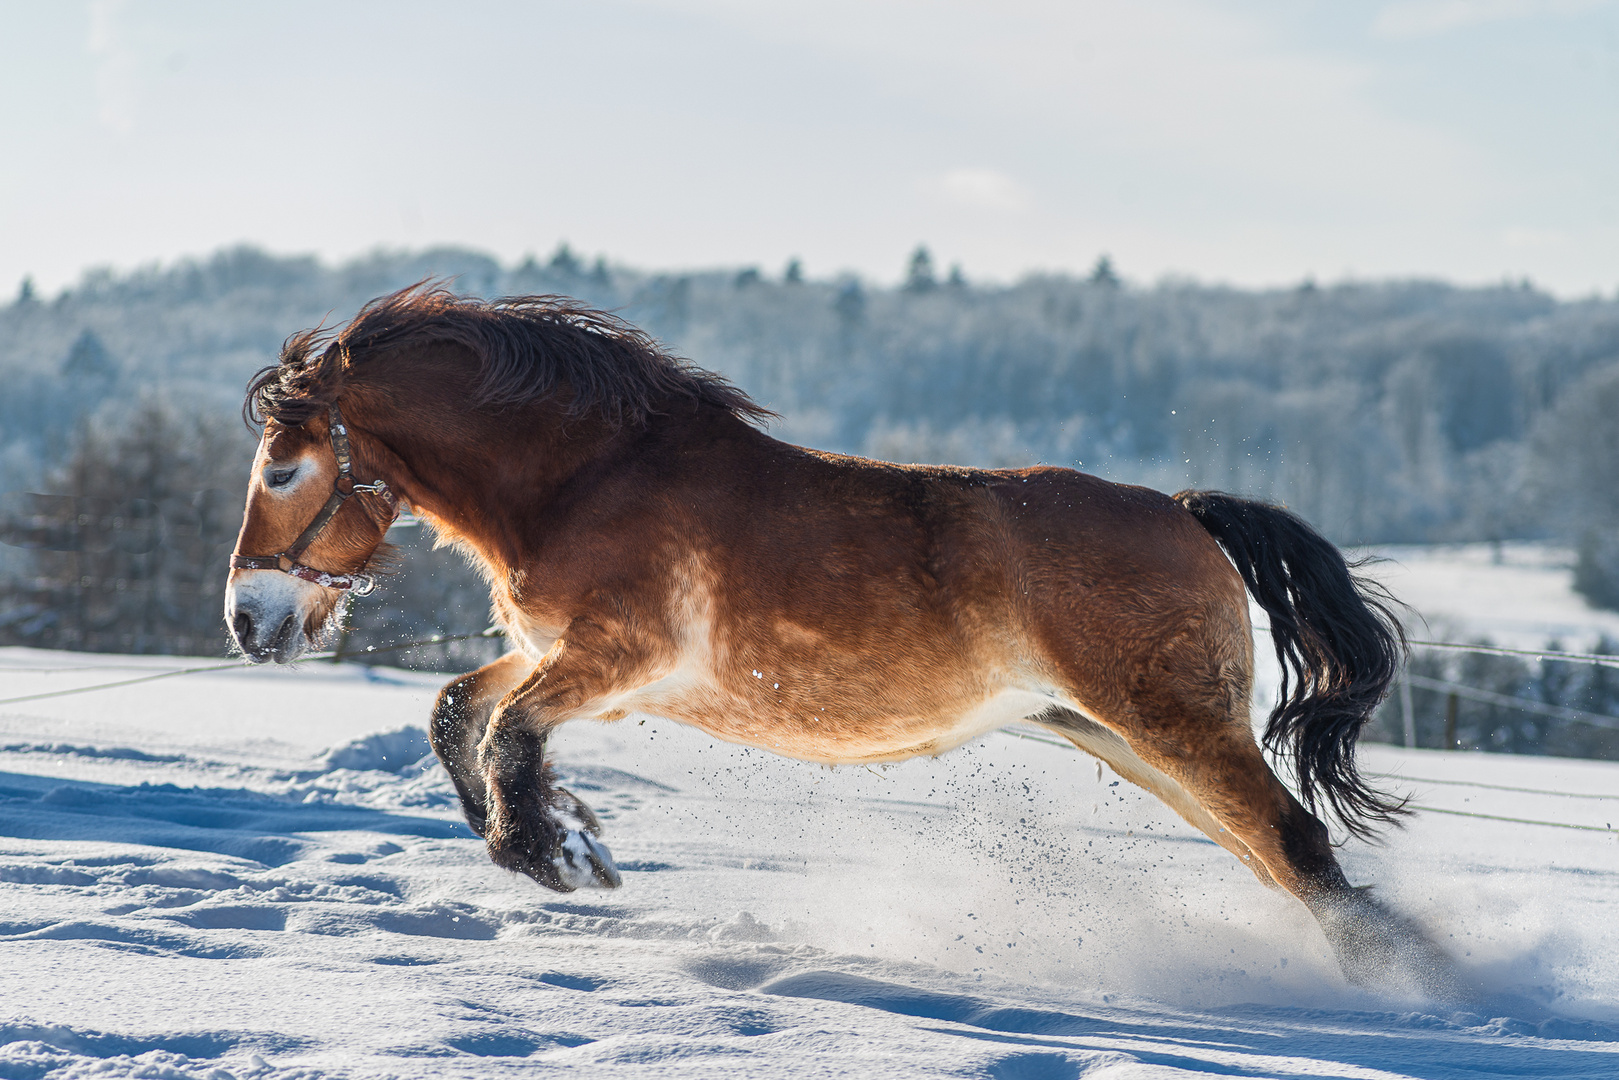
262,873
1517,594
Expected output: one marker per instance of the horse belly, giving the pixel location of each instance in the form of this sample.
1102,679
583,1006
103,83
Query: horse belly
794,687
844,732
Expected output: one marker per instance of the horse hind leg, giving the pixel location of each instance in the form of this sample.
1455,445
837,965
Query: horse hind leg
1106,744
1207,748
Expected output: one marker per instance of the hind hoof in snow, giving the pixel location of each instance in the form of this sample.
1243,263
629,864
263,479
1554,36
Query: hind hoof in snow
1380,950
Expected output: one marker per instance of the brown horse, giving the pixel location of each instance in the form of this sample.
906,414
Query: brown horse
649,549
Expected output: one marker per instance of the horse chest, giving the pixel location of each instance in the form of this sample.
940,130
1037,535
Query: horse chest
534,636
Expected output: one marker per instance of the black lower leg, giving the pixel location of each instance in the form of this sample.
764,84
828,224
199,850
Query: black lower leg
521,833
535,827
456,729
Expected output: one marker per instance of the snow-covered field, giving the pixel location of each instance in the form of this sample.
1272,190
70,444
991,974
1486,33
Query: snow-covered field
239,873
1516,594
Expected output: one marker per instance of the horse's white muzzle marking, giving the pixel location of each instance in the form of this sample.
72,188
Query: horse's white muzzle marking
266,611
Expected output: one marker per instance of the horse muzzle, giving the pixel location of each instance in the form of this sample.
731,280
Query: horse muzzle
267,611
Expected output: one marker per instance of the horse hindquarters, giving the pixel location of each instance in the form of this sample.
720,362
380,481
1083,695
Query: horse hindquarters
1184,713
1340,647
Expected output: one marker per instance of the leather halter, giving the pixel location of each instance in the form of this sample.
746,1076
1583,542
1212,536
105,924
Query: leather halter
343,488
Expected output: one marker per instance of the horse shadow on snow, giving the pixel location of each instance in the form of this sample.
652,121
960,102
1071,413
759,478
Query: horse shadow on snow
236,822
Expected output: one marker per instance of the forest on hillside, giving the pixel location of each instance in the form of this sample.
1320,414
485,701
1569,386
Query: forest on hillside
1399,411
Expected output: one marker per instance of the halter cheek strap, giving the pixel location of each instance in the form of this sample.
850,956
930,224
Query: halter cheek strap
343,488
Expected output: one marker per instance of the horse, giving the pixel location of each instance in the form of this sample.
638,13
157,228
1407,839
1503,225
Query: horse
650,549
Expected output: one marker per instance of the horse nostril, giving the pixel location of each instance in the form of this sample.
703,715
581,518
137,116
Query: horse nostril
284,632
242,627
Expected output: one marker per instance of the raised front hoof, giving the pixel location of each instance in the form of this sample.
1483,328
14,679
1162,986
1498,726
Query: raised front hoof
577,860
555,844
585,863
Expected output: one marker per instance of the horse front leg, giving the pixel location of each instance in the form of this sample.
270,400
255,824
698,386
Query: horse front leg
460,717
535,827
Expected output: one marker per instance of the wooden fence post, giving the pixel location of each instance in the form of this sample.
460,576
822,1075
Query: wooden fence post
1407,715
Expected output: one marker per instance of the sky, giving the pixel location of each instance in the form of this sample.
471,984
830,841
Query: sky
1249,143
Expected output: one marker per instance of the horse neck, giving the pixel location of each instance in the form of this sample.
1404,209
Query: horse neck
480,479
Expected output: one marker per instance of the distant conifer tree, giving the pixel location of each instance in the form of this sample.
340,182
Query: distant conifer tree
1104,274
919,272
88,360
130,556
25,291
850,304
1596,569
794,274
564,261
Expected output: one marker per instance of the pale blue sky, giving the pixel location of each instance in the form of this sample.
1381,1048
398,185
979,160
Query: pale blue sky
1245,142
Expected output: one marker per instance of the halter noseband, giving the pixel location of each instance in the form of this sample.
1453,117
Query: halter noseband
343,487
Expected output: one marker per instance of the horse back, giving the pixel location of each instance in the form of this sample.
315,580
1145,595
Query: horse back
990,570
777,582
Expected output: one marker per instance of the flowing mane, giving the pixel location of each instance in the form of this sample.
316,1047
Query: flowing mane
527,346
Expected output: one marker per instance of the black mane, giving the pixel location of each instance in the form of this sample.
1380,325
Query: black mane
528,346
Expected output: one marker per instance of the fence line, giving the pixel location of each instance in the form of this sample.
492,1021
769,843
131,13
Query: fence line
121,682
436,639
1490,697
1407,680
1066,745
1494,787
10,669
1462,690
495,631
1514,820
1600,659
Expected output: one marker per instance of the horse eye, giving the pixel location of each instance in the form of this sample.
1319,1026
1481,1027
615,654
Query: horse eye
281,477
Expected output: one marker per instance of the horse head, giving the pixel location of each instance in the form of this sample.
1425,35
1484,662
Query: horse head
302,544
518,391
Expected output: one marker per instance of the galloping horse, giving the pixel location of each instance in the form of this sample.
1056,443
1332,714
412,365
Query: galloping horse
649,549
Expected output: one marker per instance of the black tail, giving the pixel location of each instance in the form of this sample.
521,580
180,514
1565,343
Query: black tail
1336,636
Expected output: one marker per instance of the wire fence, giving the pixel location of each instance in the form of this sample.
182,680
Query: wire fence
1041,736
1599,659
1523,704
334,655
1545,707
1407,680
1453,691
